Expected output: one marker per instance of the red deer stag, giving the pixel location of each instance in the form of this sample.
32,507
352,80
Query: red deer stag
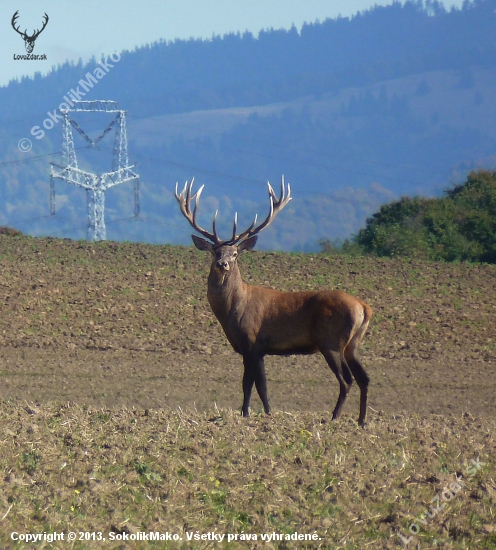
260,321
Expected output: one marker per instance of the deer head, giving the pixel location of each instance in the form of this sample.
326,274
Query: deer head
28,40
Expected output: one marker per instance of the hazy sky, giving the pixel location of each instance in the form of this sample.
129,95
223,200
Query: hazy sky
92,27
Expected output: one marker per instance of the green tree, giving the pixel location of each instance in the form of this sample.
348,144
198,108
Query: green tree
461,225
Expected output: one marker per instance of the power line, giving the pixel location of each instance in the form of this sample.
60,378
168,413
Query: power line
27,160
145,219
272,157
240,178
208,172
38,157
28,220
304,150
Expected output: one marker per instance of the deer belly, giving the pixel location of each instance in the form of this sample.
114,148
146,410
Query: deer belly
288,342
303,350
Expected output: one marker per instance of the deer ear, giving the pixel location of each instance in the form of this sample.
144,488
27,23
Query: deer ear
248,244
202,244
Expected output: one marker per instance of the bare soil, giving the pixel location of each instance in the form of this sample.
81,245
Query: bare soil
122,324
95,337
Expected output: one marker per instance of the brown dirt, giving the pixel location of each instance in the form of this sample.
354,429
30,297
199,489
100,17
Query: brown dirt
122,324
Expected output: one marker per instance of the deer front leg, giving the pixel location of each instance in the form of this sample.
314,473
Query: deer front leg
248,381
254,374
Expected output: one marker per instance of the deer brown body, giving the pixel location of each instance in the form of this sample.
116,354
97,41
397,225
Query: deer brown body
260,321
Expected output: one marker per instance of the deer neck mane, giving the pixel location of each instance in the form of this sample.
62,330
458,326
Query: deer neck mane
226,291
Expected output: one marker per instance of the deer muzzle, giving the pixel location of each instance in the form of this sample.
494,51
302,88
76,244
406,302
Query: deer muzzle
222,265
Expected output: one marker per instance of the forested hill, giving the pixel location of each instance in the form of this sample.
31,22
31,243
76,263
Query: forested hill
382,43
354,111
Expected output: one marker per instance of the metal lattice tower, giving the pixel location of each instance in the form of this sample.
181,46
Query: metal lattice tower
95,184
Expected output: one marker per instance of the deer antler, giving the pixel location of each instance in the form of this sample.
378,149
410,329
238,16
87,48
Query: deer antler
25,33
36,33
276,205
184,199
14,17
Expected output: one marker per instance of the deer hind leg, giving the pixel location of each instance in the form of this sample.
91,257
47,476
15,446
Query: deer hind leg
254,374
361,377
342,372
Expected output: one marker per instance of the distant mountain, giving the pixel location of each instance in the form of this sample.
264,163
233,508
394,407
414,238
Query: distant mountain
354,111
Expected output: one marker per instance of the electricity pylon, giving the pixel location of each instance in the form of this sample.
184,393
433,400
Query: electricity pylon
95,184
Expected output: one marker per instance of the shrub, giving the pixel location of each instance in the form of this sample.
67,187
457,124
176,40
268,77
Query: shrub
461,225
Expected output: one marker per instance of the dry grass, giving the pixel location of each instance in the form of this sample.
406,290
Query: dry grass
70,468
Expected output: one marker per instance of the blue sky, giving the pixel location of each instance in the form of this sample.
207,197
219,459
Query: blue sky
79,29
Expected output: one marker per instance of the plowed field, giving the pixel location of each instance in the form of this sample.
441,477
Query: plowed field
122,324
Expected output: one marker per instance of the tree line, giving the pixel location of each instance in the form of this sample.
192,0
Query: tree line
236,69
460,225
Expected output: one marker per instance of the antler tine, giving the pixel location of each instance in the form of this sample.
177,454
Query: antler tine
188,187
282,188
14,21
196,196
235,226
184,198
271,192
214,227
